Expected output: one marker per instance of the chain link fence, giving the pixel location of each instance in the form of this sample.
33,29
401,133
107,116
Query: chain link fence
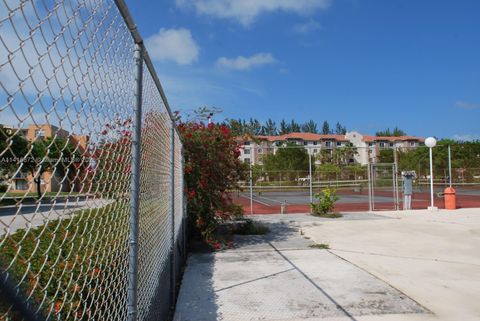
92,212
287,177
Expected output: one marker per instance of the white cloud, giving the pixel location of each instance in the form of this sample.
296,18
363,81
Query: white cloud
466,105
307,27
176,45
466,137
246,63
245,11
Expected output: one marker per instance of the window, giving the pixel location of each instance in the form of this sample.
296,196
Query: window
39,133
391,144
246,151
315,151
382,144
247,160
412,144
328,144
305,143
246,143
21,184
315,143
371,144
339,144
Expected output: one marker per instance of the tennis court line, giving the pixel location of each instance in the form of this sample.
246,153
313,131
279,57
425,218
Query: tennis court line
255,199
269,199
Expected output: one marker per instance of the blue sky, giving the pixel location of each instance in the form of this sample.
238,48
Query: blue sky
370,64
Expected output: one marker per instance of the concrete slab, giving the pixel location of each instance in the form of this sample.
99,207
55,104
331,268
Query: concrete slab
433,257
279,277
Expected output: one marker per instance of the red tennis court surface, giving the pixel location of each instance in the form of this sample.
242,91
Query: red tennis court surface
419,201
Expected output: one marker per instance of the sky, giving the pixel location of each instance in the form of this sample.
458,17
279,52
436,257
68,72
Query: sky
370,64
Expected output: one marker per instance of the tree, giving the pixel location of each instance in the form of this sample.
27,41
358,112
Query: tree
236,127
254,127
325,128
294,127
325,156
396,132
270,128
339,156
310,127
346,153
37,157
284,128
327,171
52,154
386,156
288,161
339,129
465,155
13,146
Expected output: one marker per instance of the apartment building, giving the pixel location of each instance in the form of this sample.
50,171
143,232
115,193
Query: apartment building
368,147
23,181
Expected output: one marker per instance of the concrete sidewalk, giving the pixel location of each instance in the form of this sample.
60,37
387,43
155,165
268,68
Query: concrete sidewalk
279,277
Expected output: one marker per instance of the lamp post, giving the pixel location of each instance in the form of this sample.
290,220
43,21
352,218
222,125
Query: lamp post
430,142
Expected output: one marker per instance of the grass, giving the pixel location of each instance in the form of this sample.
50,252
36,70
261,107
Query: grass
320,246
71,266
30,197
328,215
34,194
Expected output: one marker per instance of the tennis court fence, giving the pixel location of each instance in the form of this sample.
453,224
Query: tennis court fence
92,208
286,179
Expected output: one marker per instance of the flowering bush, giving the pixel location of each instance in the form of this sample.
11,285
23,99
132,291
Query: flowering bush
212,170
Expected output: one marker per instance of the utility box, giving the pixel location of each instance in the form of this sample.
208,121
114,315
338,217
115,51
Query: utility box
408,178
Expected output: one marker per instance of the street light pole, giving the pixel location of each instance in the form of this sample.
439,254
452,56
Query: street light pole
430,142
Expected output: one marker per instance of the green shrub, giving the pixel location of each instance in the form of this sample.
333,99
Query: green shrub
326,201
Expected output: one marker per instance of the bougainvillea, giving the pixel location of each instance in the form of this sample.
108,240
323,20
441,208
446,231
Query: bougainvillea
212,170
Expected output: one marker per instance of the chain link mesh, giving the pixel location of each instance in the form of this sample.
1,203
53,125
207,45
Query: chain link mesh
67,73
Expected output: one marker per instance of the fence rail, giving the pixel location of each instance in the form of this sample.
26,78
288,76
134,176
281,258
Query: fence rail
92,211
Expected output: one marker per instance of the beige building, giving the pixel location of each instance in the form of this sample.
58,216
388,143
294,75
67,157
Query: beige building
368,147
23,182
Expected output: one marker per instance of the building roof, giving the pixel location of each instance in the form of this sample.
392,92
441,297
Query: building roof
319,137
300,136
371,139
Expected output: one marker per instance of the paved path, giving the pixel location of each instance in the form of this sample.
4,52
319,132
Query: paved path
279,277
14,217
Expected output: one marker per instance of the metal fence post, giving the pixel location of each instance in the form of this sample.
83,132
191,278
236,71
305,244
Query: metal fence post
172,208
369,173
449,166
251,189
184,208
395,179
132,308
310,176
